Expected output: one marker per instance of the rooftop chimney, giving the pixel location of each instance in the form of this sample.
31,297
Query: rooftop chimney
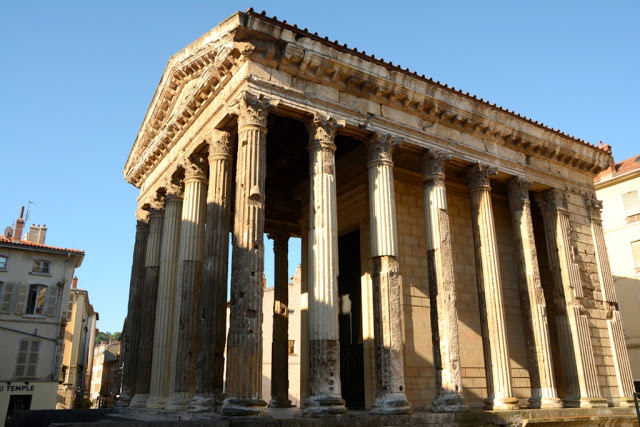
74,283
37,234
264,281
17,235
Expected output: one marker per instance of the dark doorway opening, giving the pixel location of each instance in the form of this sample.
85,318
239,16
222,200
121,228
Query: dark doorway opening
18,402
350,319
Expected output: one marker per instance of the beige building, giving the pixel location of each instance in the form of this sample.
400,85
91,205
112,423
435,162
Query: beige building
79,343
35,282
619,189
452,250
105,376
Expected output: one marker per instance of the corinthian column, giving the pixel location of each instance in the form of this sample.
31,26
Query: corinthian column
163,333
244,345
387,296
280,344
494,333
614,323
533,307
212,334
442,287
325,394
149,298
574,337
185,333
132,330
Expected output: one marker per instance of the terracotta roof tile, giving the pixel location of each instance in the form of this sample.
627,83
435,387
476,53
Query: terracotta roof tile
389,65
620,168
4,239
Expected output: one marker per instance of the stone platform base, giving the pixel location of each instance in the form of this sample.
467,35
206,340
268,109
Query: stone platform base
293,417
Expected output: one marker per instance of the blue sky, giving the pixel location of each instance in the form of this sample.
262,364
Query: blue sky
76,79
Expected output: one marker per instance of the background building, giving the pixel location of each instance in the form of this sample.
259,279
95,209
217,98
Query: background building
35,281
77,362
105,379
619,189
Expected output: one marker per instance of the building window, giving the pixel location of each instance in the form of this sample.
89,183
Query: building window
41,267
635,248
631,205
7,292
35,299
27,360
3,262
292,346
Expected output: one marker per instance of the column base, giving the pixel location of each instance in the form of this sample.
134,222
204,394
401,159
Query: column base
235,407
585,402
156,402
124,400
178,401
278,402
502,404
203,403
625,402
324,405
391,404
139,401
449,402
545,403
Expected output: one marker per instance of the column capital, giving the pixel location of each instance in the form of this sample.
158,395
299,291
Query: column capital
433,166
552,200
478,175
380,148
220,145
278,237
518,188
195,167
252,109
594,207
142,215
174,186
322,131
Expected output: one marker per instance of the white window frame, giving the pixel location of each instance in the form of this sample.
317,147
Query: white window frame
3,260
45,301
39,265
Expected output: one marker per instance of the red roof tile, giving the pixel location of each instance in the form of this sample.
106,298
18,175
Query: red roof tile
620,168
4,239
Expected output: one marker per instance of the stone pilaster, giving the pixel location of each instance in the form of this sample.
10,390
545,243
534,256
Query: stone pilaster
442,287
494,333
149,299
325,394
533,306
163,332
387,294
614,324
212,334
132,330
189,283
244,345
280,344
574,337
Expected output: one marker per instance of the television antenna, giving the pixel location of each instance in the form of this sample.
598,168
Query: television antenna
26,217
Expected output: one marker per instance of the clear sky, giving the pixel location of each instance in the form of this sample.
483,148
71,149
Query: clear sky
76,79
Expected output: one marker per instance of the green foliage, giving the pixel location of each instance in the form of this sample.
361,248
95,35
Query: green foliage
82,404
104,336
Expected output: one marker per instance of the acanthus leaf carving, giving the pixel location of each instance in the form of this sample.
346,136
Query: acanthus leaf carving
478,175
380,147
252,109
433,162
322,130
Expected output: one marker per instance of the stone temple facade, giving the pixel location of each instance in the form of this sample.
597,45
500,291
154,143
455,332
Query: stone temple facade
453,254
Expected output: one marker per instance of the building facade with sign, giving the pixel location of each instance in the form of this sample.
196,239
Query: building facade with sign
452,250
35,281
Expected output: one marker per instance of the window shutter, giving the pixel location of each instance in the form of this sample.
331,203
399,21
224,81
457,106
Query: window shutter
631,203
32,365
70,308
53,299
22,296
7,298
21,361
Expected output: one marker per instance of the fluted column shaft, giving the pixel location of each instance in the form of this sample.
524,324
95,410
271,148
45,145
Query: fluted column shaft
387,293
213,299
494,333
280,344
163,333
149,299
132,332
621,363
533,306
442,287
244,345
191,249
324,343
574,337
